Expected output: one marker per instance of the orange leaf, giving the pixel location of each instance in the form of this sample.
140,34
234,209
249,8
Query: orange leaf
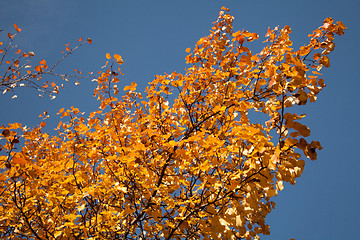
272,81
15,125
268,32
325,61
131,88
252,37
89,40
59,125
117,56
18,160
118,59
108,56
9,35
16,28
43,62
241,39
235,34
80,39
316,56
188,50
18,51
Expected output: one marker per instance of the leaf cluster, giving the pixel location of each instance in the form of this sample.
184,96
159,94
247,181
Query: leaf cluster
19,69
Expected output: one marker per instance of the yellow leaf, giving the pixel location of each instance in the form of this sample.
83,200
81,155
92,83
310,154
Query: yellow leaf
238,220
131,88
280,185
57,234
108,56
82,207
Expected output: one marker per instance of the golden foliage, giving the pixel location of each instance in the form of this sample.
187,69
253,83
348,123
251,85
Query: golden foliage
184,162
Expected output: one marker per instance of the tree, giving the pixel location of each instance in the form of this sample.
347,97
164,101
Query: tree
183,162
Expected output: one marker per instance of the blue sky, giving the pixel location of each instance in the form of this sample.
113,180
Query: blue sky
152,36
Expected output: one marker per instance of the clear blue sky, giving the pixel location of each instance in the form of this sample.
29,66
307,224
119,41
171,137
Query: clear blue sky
152,36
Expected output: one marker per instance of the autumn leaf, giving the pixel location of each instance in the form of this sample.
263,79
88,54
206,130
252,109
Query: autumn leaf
268,32
16,28
239,37
316,56
325,61
42,62
6,132
118,59
132,87
18,160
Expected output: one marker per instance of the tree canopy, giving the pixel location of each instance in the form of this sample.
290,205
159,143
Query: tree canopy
185,159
